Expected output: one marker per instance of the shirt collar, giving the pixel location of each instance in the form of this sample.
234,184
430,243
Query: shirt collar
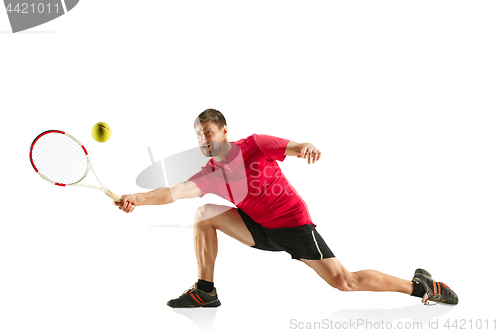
235,149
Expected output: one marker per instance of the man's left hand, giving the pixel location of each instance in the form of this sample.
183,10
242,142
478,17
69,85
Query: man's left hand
311,153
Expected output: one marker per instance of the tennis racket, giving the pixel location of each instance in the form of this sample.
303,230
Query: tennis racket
62,160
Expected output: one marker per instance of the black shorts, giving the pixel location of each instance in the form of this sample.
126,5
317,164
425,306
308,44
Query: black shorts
302,242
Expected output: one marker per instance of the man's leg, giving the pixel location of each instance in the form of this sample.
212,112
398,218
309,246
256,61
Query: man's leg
335,274
208,219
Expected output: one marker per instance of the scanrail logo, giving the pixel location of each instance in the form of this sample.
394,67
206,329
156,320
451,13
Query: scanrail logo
25,14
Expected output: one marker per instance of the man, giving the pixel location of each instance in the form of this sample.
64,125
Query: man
270,215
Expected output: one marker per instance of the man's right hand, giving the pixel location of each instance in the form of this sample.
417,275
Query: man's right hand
127,201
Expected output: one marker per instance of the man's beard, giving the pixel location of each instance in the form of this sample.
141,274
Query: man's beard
213,150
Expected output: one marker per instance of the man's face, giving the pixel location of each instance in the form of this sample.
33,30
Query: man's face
210,138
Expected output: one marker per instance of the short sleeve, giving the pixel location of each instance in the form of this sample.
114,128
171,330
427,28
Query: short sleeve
200,180
272,147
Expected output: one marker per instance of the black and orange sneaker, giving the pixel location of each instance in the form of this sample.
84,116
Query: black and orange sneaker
194,298
434,291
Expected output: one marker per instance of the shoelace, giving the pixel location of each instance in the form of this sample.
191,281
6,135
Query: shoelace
427,302
188,291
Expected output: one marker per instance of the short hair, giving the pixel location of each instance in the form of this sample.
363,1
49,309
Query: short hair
212,115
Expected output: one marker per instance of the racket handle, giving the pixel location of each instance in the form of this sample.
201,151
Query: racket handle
116,197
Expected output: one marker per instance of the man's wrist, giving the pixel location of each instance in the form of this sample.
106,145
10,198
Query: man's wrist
139,199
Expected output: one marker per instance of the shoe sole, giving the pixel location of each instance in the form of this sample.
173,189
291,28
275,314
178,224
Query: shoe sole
421,271
212,304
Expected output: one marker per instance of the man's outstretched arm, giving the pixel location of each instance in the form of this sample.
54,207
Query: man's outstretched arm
161,196
303,150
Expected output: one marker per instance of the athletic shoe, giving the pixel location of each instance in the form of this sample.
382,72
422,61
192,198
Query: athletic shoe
434,291
194,298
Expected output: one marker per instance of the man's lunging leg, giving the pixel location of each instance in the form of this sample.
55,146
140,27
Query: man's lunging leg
208,219
422,284
333,272
205,244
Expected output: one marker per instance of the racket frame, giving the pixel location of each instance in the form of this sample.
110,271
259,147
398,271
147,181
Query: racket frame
103,188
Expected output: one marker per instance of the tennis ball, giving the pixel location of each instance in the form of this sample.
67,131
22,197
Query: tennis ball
101,132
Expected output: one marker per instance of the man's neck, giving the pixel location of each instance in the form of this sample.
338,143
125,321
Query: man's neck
226,148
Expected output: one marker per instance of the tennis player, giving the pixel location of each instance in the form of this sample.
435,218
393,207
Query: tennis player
269,215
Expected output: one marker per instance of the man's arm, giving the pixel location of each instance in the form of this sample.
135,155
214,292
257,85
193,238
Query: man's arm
161,196
303,150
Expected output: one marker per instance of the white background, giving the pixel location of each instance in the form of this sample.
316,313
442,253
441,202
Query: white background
401,97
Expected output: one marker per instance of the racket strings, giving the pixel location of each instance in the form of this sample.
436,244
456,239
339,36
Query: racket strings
60,158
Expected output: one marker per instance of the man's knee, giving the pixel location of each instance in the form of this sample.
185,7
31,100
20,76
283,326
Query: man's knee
202,214
343,281
206,214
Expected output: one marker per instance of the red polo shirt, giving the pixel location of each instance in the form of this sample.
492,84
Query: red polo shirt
253,181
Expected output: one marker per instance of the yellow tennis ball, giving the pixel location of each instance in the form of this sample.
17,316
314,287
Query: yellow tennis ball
101,132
